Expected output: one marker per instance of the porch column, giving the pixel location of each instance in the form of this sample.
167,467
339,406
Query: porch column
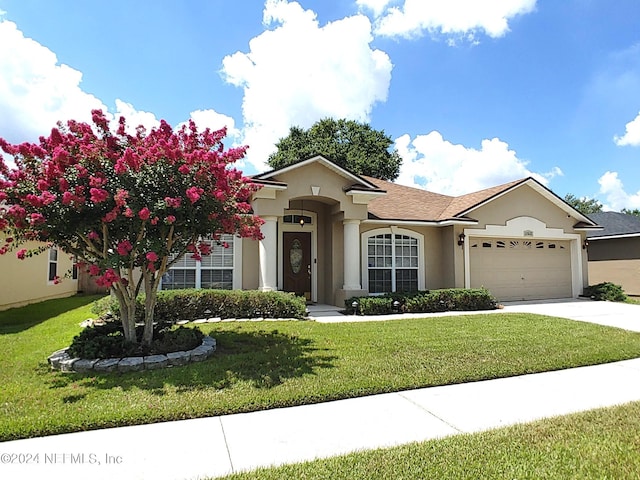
268,249
351,255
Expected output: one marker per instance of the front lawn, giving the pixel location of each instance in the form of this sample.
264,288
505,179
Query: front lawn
262,365
599,444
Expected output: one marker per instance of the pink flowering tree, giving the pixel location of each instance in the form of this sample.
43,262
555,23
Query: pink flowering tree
125,205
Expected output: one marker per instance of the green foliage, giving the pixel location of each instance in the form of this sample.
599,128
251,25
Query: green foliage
606,291
450,299
108,341
352,145
192,304
584,205
635,211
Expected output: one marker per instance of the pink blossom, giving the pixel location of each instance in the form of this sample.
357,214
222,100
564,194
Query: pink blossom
172,202
21,254
205,248
194,193
151,267
170,219
94,270
42,185
111,216
121,197
37,218
93,236
47,197
124,247
67,198
98,195
152,256
144,214
129,213
154,221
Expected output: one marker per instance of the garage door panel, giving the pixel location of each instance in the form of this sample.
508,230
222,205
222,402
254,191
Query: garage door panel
515,269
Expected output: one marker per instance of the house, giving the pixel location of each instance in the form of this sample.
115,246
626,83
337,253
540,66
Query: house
330,234
614,251
35,278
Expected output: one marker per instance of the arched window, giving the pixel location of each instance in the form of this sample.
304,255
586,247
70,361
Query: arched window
393,261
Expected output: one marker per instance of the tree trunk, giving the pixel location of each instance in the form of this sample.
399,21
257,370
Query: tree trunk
127,314
151,296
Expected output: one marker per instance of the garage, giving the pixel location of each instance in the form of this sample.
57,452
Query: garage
521,269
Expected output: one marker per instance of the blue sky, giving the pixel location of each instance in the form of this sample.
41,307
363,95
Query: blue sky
473,93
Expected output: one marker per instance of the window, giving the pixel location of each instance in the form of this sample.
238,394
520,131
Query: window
392,263
53,264
213,271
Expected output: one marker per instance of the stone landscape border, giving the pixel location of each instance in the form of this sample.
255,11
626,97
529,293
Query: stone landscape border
62,361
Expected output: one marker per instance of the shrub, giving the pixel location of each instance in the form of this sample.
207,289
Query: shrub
107,341
191,304
605,291
450,299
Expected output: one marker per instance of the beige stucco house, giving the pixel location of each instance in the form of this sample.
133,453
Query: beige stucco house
33,279
330,235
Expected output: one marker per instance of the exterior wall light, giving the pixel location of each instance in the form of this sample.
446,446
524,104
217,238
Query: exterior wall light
461,239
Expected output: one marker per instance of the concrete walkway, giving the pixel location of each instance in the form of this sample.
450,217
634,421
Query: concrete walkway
216,446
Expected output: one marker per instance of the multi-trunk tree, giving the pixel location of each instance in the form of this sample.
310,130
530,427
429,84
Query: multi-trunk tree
125,205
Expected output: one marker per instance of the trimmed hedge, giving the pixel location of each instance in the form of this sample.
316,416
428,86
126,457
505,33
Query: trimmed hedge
605,291
449,299
192,304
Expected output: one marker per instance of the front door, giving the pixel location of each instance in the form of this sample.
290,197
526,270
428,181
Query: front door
297,263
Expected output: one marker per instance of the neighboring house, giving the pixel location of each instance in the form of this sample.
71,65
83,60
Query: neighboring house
330,234
34,278
614,251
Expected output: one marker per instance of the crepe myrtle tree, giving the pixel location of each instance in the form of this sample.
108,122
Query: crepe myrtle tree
124,205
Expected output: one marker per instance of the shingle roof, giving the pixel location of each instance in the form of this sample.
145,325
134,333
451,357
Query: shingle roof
407,203
615,223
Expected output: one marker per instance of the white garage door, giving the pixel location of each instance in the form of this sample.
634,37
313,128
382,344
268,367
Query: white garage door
516,269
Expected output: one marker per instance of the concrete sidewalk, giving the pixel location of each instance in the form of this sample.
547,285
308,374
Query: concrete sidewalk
216,446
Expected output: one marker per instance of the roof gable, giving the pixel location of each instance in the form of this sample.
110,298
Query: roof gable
356,179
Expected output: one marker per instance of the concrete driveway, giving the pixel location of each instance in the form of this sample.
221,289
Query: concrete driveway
612,314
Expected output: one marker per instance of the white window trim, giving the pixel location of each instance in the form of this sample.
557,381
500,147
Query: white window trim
237,266
393,230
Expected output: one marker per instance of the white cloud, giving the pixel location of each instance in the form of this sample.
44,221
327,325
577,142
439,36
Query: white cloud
451,17
134,117
36,91
437,165
631,134
299,72
215,121
616,196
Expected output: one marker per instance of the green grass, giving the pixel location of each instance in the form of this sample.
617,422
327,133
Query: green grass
599,444
271,364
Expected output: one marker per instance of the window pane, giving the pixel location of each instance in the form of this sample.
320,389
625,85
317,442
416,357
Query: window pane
218,279
178,278
406,280
379,281
53,271
53,254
